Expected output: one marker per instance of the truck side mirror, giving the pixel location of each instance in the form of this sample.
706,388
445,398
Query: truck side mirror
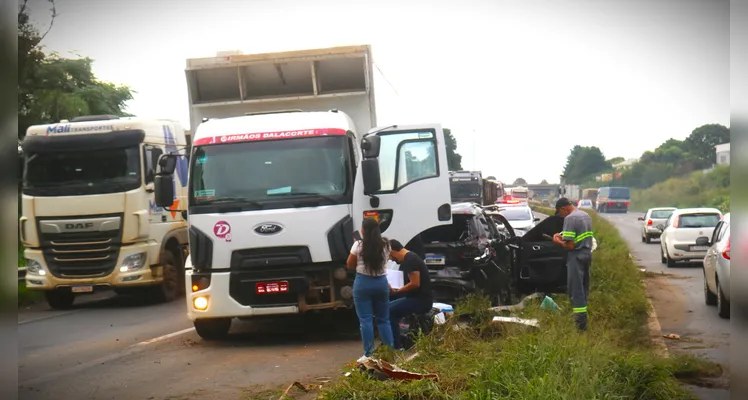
370,171
168,163
370,146
164,190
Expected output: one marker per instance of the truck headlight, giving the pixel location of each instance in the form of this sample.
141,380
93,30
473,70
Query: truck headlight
133,262
33,267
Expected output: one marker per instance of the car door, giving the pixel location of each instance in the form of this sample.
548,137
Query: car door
710,260
541,263
413,193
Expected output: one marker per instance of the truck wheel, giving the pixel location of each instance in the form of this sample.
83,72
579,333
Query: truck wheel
169,289
60,299
213,328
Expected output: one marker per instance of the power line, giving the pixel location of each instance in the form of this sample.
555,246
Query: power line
385,78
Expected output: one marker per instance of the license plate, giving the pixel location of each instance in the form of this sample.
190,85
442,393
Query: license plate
82,289
434,259
271,287
699,248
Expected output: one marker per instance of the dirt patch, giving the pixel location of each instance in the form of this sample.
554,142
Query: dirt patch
650,274
669,301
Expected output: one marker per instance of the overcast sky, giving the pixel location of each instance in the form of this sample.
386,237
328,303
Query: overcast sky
518,82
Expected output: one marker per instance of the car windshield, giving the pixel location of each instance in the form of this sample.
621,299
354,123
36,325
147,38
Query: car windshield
82,172
698,220
256,172
661,214
518,214
621,193
586,202
464,189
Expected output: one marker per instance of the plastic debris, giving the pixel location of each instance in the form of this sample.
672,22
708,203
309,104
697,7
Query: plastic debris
440,318
528,322
519,306
549,304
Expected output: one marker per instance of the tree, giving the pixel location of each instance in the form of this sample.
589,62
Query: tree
520,181
544,182
616,160
51,88
583,163
702,140
454,160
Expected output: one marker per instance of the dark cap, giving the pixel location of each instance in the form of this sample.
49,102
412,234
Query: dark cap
562,202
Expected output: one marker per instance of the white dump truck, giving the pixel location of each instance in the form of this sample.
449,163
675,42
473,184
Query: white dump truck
283,172
89,217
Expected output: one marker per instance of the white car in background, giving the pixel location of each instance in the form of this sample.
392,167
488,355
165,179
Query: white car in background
679,234
653,218
520,217
586,203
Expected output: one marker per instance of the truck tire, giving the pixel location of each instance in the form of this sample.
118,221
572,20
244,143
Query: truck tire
213,328
169,289
60,299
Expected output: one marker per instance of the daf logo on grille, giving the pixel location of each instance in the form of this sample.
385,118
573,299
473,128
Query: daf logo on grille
79,226
268,229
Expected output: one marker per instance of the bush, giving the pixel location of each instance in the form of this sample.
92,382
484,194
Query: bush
614,359
700,189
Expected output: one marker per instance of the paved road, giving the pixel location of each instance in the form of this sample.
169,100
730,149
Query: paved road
678,299
114,347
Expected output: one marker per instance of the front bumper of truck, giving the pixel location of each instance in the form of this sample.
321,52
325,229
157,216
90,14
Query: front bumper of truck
41,278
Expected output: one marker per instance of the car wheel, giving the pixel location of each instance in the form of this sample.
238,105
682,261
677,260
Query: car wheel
213,328
60,299
709,297
648,239
723,306
643,239
663,259
670,261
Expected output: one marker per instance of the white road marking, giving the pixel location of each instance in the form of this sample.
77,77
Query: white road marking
164,337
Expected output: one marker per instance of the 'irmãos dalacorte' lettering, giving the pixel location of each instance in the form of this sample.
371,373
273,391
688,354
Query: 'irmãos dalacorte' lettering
248,137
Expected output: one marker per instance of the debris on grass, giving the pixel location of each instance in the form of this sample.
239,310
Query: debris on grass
523,321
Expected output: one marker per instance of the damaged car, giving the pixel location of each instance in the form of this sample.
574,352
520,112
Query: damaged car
473,256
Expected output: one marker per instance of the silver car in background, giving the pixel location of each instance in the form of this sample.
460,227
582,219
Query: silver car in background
520,217
717,267
650,220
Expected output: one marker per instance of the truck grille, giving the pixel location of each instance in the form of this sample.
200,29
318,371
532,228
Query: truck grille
81,254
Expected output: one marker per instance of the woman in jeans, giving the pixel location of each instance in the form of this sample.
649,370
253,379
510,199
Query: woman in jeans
371,292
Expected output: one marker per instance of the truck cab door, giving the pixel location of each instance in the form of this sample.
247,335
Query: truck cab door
403,181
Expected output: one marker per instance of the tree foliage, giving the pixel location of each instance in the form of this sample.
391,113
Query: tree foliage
51,87
520,181
454,160
583,163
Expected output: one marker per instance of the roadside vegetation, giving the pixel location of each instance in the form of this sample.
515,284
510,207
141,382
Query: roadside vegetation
699,189
614,359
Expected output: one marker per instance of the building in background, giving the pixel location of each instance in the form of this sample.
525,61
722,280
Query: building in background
723,153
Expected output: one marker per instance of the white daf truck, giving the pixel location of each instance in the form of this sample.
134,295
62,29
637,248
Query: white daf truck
89,218
282,173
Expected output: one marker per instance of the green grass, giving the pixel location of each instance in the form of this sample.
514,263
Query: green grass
613,360
28,297
699,189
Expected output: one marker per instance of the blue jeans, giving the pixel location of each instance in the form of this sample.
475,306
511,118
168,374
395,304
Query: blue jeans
371,297
403,307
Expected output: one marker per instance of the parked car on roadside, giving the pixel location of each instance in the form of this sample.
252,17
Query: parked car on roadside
717,267
679,234
651,220
471,255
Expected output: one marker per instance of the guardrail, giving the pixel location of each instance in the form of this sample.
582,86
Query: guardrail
21,274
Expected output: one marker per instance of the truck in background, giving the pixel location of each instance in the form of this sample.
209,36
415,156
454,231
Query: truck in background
613,199
466,186
89,218
282,174
520,193
590,194
571,192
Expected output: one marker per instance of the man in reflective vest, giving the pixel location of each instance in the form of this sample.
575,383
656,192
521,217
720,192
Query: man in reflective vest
577,238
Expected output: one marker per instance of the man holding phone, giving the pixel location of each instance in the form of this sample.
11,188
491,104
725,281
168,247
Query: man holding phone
577,237
416,296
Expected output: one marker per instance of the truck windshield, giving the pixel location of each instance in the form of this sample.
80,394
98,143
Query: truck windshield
263,173
620,193
467,190
82,172
520,194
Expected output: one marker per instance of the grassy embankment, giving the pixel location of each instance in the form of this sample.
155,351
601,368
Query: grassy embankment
614,359
699,189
